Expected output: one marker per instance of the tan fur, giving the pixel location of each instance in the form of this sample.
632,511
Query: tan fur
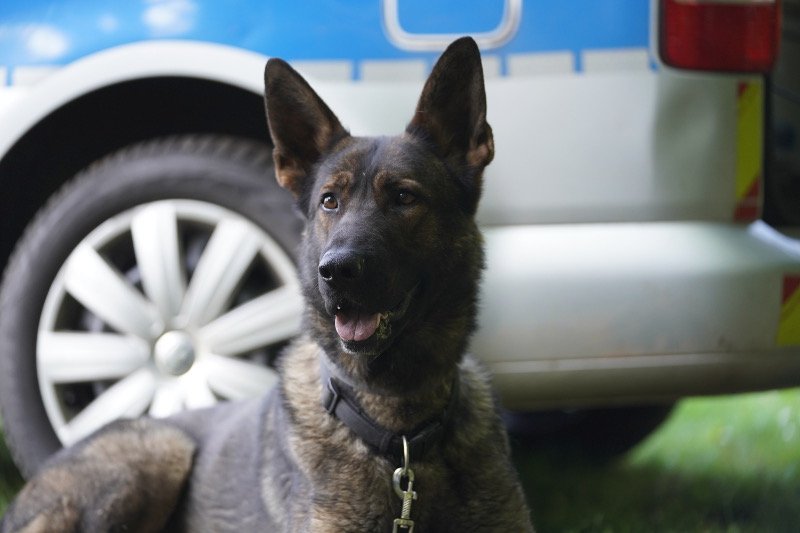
129,479
352,485
287,172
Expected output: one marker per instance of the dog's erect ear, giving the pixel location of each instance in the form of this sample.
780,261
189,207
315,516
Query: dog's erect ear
302,127
451,111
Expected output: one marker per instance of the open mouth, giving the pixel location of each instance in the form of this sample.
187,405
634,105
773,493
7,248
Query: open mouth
357,326
365,332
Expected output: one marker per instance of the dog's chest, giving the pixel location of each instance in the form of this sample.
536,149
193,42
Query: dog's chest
364,499
461,482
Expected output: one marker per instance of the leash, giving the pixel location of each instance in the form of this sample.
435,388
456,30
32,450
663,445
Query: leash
339,400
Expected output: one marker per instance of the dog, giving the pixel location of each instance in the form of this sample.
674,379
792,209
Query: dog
381,421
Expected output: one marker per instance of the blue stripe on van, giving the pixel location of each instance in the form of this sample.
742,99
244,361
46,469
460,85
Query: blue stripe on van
57,32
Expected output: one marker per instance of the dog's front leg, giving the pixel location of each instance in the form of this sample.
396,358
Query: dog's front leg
128,477
338,522
340,516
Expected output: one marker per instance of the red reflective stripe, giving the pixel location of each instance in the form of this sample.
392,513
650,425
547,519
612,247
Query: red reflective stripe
748,208
790,286
741,88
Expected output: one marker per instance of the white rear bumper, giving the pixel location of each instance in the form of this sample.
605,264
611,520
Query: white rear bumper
573,313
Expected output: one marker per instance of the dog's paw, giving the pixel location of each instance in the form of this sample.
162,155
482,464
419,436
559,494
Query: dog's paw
128,477
36,511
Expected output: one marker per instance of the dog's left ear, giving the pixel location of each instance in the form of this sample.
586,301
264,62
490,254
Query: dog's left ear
302,127
451,113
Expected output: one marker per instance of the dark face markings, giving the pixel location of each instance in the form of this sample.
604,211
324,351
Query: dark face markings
392,176
379,209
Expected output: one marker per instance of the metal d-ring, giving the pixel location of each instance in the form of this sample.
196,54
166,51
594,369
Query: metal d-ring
404,472
406,459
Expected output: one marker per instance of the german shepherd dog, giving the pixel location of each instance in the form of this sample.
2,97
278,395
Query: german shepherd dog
381,422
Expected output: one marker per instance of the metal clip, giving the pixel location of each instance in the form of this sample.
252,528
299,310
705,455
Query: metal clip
408,495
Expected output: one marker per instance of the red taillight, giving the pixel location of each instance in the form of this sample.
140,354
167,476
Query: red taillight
721,35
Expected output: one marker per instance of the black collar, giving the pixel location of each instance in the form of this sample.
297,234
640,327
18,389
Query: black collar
339,400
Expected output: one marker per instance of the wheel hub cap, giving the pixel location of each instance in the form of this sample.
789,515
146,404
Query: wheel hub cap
174,353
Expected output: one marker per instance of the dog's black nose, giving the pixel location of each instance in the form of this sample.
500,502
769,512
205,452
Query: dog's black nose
341,266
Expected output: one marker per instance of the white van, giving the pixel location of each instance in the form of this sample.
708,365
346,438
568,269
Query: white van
628,262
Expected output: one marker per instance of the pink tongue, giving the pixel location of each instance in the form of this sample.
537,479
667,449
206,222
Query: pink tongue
356,326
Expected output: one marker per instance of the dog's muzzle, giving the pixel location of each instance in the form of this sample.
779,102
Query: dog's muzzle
342,271
357,294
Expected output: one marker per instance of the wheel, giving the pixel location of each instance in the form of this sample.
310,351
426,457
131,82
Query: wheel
598,434
161,278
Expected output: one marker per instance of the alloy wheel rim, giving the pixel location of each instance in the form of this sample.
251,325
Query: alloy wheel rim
170,305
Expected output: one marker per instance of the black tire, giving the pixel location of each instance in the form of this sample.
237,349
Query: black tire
595,434
229,172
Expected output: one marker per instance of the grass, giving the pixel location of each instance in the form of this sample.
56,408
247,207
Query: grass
10,480
728,464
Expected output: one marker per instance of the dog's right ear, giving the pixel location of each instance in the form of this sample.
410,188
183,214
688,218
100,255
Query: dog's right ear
302,127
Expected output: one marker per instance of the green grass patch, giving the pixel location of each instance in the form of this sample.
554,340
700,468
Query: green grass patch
728,464
10,480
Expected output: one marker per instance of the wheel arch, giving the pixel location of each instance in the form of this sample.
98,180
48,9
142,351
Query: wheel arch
100,104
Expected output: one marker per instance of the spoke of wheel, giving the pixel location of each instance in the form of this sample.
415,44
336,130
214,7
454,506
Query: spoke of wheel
155,240
68,357
235,379
228,254
168,400
127,398
270,318
104,291
197,394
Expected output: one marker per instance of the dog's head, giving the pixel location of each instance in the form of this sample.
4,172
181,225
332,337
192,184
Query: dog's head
391,256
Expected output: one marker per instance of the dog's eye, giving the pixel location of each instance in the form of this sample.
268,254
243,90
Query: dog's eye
329,202
406,198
